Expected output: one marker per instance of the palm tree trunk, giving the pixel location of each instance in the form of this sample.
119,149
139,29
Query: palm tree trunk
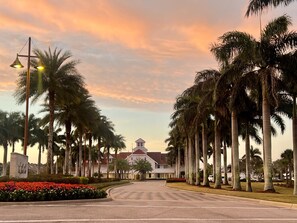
197,158
90,155
294,124
49,166
85,155
218,172
107,163
235,151
225,164
4,171
268,185
39,159
213,161
204,148
115,163
186,160
176,167
57,166
99,158
80,157
190,154
178,162
66,161
248,160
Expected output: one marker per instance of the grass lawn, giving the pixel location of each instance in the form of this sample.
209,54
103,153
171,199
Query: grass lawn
283,194
107,185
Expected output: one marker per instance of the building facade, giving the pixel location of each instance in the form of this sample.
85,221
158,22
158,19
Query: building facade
158,161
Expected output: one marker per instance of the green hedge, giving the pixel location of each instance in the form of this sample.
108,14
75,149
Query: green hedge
49,178
175,180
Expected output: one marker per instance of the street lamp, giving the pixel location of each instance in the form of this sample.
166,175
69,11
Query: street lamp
17,64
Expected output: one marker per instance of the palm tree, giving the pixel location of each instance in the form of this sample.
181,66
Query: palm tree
181,120
289,67
53,83
264,55
15,128
287,157
108,141
257,6
39,136
218,107
174,145
118,145
79,112
4,139
102,130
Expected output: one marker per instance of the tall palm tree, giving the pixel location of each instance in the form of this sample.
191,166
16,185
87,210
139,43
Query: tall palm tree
289,67
174,145
39,136
4,139
287,157
54,81
16,130
108,143
264,55
180,121
118,145
102,130
80,111
208,79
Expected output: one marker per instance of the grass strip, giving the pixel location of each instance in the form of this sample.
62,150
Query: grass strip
283,194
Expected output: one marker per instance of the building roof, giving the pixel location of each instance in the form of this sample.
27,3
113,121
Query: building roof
158,157
139,151
123,155
139,140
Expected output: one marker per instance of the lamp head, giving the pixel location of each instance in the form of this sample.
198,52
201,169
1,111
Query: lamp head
17,63
39,66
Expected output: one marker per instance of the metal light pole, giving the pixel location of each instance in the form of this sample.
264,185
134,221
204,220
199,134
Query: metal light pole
17,64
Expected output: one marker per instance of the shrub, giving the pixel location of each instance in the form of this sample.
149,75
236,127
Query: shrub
174,180
45,191
67,179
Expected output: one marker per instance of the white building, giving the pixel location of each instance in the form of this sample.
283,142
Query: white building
158,161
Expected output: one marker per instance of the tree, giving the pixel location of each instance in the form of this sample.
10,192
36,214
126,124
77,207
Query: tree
122,167
257,6
142,166
103,128
118,145
289,67
287,157
264,56
54,81
39,136
4,139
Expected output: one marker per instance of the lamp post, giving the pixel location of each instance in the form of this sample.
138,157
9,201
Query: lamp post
17,64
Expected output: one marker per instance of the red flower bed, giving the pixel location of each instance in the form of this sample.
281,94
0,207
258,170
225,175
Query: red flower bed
31,191
36,186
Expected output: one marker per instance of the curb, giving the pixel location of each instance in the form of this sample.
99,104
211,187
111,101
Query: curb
55,202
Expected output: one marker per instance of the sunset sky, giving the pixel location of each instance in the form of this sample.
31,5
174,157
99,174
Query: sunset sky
136,56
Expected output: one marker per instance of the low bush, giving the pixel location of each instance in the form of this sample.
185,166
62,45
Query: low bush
94,180
55,178
45,191
175,180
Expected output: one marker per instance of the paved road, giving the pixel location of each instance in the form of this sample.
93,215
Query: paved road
148,202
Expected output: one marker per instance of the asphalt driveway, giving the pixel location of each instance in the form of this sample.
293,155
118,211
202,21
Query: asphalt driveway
149,201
